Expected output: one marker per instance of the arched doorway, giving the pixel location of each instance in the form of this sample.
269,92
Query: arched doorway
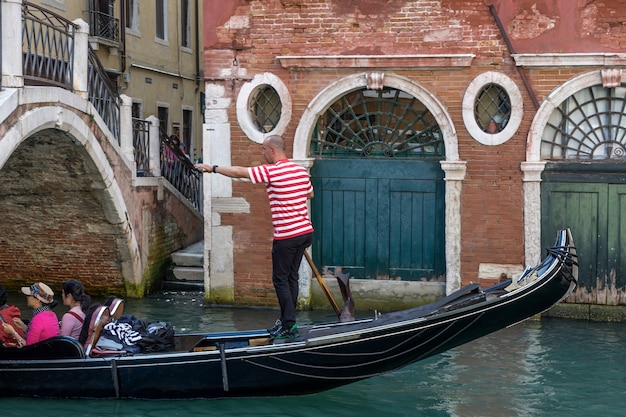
388,139
583,181
379,206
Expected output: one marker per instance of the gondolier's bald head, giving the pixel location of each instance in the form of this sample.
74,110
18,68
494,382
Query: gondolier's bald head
274,149
275,142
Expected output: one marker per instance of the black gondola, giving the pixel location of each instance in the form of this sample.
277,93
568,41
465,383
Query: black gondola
325,356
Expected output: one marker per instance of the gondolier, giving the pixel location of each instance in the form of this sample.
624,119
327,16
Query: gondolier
288,188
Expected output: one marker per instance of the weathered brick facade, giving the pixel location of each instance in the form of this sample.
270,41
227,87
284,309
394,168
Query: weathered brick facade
408,39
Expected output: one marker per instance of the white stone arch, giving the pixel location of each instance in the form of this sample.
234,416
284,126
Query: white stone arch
64,119
453,168
533,167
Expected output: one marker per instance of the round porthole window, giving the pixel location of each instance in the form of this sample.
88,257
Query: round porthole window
492,108
263,107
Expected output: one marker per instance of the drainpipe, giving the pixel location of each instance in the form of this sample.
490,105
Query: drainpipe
123,18
511,52
197,34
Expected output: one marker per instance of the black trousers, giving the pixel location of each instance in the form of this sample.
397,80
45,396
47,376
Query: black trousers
286,257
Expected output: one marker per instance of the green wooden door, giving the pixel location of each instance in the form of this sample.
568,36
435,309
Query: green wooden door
379,219
596,213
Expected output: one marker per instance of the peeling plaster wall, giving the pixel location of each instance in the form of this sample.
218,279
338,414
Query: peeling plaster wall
564,25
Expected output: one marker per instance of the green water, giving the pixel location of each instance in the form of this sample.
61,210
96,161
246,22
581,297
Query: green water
536,369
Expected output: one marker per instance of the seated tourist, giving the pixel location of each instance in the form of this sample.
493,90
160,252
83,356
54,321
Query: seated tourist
7,314
44,323
74,296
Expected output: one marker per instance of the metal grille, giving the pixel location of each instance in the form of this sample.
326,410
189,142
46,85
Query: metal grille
104,26
48,47
266,108
591,124
141,141
385,123
492,108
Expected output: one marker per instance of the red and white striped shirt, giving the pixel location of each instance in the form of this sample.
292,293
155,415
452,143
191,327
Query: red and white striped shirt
287,185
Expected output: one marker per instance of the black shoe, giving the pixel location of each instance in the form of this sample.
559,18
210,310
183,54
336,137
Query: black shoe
274,329
285,333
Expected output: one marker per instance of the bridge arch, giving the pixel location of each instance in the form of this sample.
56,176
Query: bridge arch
67,121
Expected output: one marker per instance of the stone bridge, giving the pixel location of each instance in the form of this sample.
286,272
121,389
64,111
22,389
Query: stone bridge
76,201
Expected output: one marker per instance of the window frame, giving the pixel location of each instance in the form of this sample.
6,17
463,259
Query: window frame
469,116
163,21
246,119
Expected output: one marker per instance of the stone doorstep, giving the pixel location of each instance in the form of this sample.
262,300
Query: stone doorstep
192,255
187,259
189,273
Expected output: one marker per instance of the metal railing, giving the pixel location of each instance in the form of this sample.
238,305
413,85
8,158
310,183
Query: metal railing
104,26
141,148
48,47
103,95
179,170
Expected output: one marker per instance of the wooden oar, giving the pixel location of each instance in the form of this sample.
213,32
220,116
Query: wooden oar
322,284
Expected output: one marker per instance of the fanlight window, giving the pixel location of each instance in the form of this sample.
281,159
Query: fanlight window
591,124
266,108
492,108
385,123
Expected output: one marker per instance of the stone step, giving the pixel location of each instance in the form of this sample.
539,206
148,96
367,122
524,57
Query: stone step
188,273
190,256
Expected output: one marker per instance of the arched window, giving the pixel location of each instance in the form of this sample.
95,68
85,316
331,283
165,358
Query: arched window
591,124
387,123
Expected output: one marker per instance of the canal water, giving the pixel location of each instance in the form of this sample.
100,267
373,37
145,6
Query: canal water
540,368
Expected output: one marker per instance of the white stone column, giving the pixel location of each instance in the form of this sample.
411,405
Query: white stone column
154,147
12,71
219,264
455,174
80,80
126,127
532,211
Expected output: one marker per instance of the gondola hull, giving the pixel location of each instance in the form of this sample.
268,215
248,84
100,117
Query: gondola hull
241,364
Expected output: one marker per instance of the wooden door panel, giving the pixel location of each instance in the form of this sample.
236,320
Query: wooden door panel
582,208
379,219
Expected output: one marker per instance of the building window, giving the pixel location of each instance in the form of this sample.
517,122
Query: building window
132,14
589,125
161,19
164,116
263,107
387,123
187,131
492,108
137,110
185,24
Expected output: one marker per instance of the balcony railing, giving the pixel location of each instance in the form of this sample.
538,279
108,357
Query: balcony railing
104,26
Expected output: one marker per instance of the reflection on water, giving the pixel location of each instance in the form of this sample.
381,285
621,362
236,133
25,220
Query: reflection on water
539,369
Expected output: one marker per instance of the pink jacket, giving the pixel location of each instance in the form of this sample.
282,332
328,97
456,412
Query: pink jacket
44,325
